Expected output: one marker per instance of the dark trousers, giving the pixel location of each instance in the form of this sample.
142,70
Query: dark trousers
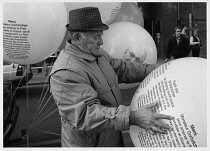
196,52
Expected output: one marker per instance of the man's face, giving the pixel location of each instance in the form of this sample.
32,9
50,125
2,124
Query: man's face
178,32
91,42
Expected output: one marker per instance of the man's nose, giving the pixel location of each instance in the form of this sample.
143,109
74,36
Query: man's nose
100,41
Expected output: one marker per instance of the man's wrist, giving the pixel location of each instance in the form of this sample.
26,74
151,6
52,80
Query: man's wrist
132,118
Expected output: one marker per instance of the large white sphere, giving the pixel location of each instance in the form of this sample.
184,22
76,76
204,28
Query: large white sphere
127,35
32,31
108,10
180,87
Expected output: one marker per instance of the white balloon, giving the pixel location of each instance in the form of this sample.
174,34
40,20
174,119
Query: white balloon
32,31
108,10
123,36
180,88
127,35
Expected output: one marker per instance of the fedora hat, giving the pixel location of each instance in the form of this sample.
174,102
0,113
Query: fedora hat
85,19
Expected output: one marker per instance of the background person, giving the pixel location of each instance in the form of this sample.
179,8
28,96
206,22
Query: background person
195,43
178,45
84,84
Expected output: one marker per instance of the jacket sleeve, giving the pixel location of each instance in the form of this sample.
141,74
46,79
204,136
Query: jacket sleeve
186,46
129,72
201,45
168,51
79,106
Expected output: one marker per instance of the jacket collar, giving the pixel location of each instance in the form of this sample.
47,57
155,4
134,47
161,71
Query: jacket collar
76,51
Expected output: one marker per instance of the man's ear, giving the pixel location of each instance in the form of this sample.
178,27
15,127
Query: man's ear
77,38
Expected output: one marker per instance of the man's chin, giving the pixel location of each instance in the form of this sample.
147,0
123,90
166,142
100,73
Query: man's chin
96,53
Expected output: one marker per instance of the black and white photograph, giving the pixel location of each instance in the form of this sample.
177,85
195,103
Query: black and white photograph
114,74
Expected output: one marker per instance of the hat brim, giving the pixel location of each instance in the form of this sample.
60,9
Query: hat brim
103,27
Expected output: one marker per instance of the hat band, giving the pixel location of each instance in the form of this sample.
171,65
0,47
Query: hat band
76,29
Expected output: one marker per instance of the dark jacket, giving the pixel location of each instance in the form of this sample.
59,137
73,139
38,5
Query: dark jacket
178,50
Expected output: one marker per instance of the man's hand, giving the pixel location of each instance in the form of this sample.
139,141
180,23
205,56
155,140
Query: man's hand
149,120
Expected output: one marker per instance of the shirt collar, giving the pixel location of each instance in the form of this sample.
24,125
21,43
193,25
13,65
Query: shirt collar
76,51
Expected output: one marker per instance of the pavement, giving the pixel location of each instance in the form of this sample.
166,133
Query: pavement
46,133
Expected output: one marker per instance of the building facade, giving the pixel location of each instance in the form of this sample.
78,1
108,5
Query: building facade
160,19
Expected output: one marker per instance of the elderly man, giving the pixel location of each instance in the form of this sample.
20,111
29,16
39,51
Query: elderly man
84,84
